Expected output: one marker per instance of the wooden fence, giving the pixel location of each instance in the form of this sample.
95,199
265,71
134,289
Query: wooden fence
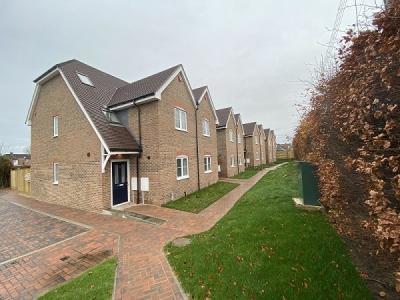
21,180
286,154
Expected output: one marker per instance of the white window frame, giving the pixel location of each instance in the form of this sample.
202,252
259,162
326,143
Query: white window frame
232,160
207,164
181,113
240,161
56,126
182,158
257,156
206,127
56,173
256,138
231,135
239,138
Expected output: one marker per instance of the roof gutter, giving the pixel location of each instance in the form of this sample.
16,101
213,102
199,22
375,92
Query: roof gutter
134,102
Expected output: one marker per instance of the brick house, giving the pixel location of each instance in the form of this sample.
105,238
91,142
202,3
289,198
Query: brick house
98,141
19,159
263,157
252,144
273,145
227,142
270,145
240,143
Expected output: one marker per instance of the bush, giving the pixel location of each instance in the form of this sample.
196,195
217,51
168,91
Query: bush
352,129
5,169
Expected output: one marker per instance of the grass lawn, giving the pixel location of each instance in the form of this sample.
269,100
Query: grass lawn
96,283
265,248
251,171
199,200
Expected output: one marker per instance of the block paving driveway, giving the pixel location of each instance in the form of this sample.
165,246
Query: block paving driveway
43,245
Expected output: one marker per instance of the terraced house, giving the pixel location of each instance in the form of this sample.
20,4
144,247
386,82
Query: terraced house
240,142
228,140
270,145
263,157
99,141
252,144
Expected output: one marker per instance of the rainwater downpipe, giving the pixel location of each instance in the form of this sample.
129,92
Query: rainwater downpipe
197,149
138,183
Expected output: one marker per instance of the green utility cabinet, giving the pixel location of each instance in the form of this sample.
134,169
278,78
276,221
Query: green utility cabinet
308,182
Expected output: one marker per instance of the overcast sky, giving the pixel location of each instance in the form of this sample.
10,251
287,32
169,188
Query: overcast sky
253,55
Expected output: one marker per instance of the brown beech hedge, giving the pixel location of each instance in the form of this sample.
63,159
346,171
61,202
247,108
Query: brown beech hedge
351,129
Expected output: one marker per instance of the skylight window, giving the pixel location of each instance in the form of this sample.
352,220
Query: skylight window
84,79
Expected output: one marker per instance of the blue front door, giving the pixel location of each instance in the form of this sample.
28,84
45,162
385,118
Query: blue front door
119,182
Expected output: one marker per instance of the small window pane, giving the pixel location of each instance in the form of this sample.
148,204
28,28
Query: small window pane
177,118
185,167
55,126
55,173
183,119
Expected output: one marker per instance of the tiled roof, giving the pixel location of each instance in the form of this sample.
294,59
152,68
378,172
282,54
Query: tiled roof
237,117
94,98
142,88
249,128
223,116
266,131
198,92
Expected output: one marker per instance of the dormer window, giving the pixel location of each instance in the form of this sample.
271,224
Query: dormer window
85,79
111,116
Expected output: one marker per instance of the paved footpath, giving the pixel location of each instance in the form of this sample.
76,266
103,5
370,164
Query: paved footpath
143,271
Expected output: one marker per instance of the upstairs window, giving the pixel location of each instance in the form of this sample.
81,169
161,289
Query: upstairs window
239,138
206,128
180,119
231,135
207,164
182,167
257,156
55,126
85,79
256,138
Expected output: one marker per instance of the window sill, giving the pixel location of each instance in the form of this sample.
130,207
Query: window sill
183,130
208,172
206,135
54,136
182,178
55,182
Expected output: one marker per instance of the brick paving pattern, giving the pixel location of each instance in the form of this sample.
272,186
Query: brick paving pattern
23,230
143,271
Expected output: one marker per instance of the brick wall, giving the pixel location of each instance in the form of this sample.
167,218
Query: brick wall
263,156
240,146
78,155
227,148
251,149
207,144
162,143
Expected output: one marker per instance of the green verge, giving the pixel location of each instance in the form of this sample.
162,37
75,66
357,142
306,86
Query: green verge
265,248
95,283
251,171
203,198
